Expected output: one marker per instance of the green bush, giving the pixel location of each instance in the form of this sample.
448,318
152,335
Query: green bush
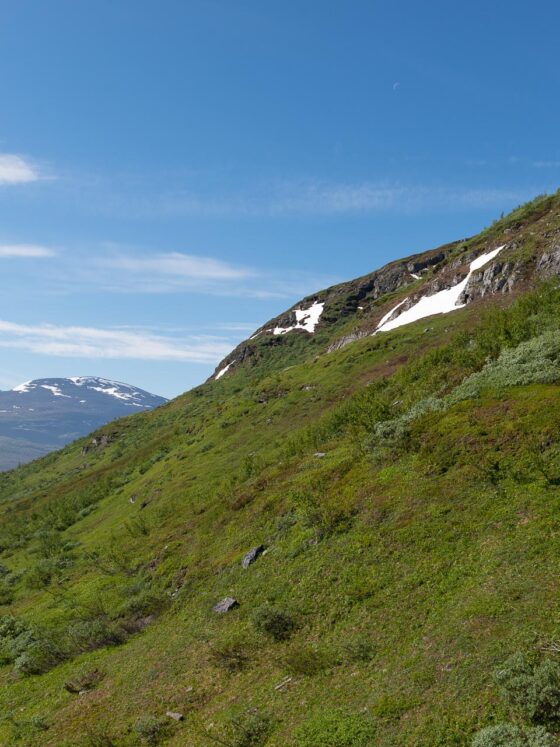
335,729
274,622
249,728
90,634
304,660
151,730
31,651
510,735
531,687
40,656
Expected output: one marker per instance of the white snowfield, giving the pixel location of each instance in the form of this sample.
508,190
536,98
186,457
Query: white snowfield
306,319
23,387
440,303
55,391
223,370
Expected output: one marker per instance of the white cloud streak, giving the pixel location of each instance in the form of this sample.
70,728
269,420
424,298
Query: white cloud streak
17,170
178,265
25,251
92,342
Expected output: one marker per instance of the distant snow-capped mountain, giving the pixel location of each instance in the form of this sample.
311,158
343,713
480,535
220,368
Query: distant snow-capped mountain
45,414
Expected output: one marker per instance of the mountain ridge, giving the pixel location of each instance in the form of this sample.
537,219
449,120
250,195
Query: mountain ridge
356,303
41,415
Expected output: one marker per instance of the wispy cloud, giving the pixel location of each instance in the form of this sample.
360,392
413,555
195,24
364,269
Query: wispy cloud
178,265
113,268
25,251
17,170
547,164
324,198
92,342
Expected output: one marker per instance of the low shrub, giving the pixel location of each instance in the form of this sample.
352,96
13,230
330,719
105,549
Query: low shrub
304,660
151,730
274,622
250,728
531,687
510,735
231,655
93,633
358,649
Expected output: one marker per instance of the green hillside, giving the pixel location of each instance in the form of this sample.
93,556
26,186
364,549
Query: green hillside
405,489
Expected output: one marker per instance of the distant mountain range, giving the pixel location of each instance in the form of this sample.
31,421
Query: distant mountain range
45,414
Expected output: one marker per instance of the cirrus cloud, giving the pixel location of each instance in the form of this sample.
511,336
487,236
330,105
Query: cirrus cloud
93,342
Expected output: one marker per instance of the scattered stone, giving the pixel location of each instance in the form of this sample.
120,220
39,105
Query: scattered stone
227,604
319,454
175,716
133,498
252,555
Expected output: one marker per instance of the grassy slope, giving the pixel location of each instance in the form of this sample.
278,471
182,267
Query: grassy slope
411,565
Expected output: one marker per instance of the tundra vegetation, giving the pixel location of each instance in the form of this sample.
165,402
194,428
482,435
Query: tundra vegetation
407,490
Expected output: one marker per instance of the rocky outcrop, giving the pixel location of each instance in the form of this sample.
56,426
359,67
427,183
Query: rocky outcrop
253,554
226,605
548,264
350,311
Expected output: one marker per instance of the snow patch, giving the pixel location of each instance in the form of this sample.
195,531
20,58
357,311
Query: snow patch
306,319
55,391
440,303
25,387
223,370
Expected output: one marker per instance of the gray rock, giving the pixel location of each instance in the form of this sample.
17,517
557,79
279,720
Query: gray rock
175,716
319,454
252,555
227,604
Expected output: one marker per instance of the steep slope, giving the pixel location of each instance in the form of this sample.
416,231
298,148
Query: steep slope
529,249
400,493
45,414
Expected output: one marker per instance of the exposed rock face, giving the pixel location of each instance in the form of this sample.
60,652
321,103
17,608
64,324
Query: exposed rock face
353,310
548,264
340,302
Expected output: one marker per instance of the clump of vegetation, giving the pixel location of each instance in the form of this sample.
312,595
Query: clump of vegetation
248,728
276,623
30,651
230,654
151,730
531,687
335,729
302,659
359,649
511,735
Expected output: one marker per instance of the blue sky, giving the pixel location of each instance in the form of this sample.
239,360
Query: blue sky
175,173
